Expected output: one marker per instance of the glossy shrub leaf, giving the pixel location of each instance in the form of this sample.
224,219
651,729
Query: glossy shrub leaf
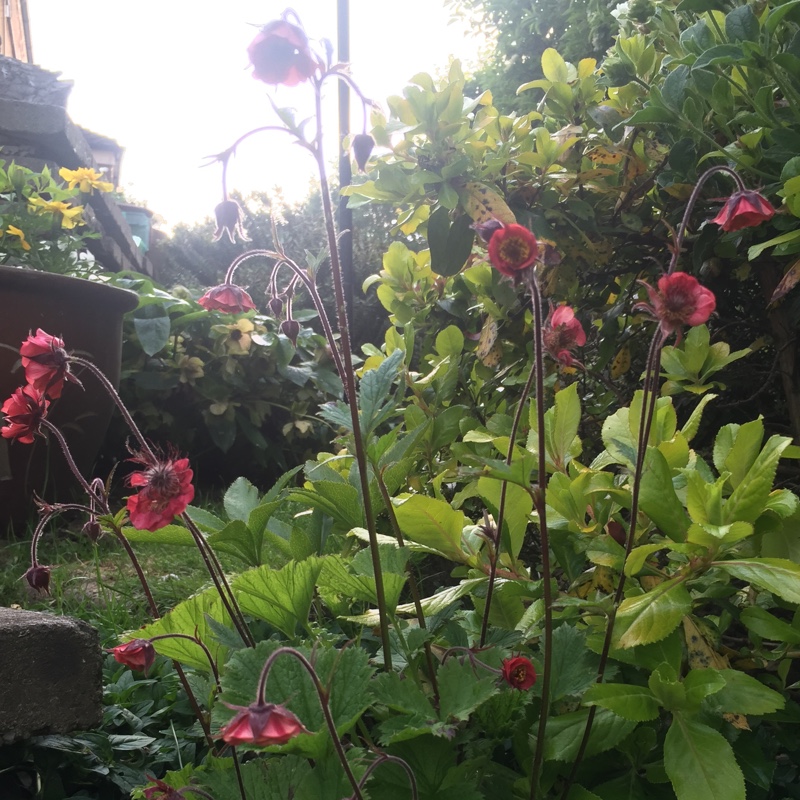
634,703
777,575
700,763
564,734
658,498
433,523
768,626
652,616
744,694
281,597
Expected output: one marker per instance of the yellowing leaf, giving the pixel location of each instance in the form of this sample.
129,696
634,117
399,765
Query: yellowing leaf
622,362
488,338
700,654
737,720
484,204
586,66
554,67
788,282
605,155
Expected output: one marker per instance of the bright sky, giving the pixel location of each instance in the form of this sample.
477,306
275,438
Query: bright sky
168,80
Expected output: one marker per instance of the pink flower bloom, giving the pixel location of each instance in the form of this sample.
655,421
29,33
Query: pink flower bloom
137,654
512,248
562,333
24,412
679,300
519,672
166,490
280,54
744,210
261,724
46,363
228,215
227,297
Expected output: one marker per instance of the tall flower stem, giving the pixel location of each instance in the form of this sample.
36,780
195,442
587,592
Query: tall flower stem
538,494
649,397
348,378
322,694
501,510
383,758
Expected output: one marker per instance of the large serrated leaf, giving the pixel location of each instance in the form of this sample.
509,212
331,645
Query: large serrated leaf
565,732
433,523
634,703
776,575
652,616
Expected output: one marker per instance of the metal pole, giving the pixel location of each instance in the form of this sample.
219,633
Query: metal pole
345,214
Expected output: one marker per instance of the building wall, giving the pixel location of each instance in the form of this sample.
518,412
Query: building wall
15,41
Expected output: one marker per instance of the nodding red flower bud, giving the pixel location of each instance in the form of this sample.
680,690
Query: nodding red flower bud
46,363
519,672
275,305
38,578
137,654
744,209
280,54
228,215
261,724
512,249
363,144
291,329
93,530
561,334
487,229
227,297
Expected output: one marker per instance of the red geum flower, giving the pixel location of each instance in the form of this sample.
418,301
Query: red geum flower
280,54
228,215
512,249
519,672
46,363
679,300
166,490
136,654
744,209
261,724
24,411
38,578
227,297
562,333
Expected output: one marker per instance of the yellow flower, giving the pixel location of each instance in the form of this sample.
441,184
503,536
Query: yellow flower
70,215
239,339
86,178
191,369
14,231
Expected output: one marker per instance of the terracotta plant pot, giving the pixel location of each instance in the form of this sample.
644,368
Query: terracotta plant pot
88,316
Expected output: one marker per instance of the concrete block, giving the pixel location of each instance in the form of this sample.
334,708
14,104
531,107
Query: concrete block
51,675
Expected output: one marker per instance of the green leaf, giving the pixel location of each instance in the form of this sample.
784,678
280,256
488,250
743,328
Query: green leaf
564,733
776,575
338,500
776,15
153,334
450,341
567,417
658,498
652,616
700,763
634,703
240,499
433,523
571,671
650,115
689,430
189,618
462,689
238,540
741,24
374,392
673,90
169,534
554,67
744,694
517,513
768,626
281,597
721,54
785,238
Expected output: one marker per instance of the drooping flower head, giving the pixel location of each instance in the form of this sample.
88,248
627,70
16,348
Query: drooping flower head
518,672
280,54
228,215
165,487
512,249
744,209
562,333
46,363
86,178
24,412
261,724
227,297
137,654
38,578
679,300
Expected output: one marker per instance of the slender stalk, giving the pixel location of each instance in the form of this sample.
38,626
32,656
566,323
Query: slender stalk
322,695
384,758
502,507
539,501
349,380
201,644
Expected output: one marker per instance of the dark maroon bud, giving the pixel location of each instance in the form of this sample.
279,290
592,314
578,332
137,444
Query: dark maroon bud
38,578
362,149
487,229
93,530
291,329
275,306
616,532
